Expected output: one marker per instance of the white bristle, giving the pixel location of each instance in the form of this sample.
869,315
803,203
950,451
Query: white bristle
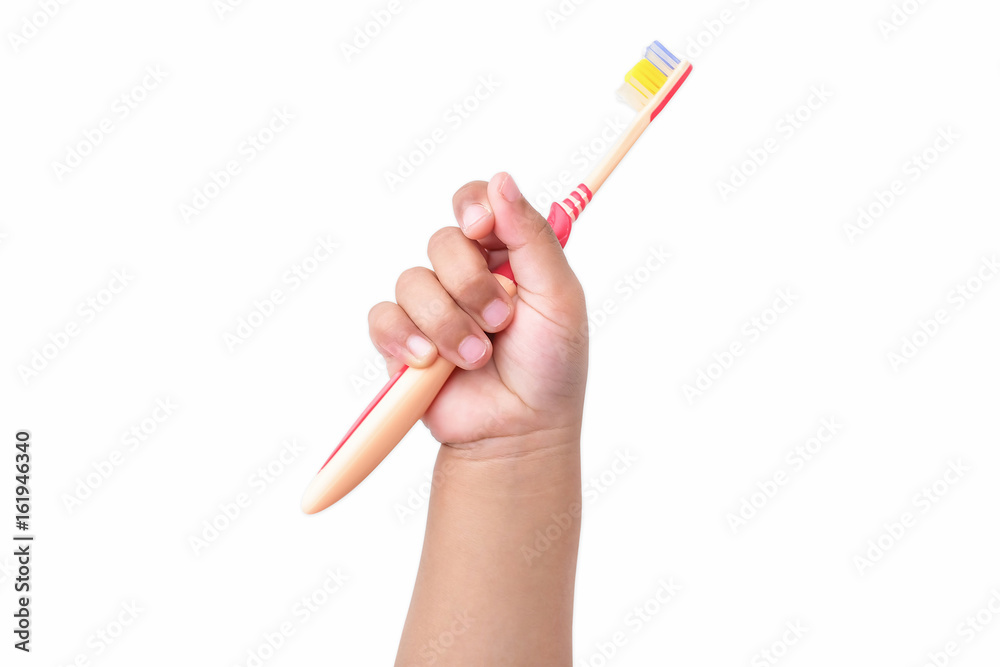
632,97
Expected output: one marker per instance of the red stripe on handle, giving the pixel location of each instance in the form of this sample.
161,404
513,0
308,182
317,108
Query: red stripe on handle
560,222
368,411
659,108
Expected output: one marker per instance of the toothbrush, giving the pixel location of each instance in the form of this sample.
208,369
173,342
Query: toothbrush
405,398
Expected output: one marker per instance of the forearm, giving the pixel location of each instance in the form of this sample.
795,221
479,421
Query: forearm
496,577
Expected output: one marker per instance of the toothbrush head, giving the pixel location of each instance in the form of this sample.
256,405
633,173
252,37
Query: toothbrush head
645,80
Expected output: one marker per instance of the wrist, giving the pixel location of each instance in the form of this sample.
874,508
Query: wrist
541,462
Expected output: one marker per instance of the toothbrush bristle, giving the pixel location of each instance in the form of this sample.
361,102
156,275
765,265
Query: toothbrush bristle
645,79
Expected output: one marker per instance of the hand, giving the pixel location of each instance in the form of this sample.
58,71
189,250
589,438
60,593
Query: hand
527,381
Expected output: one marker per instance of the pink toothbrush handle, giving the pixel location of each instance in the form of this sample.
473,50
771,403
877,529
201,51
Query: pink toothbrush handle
405,398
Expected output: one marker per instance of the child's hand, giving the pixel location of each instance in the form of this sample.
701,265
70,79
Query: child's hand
530,379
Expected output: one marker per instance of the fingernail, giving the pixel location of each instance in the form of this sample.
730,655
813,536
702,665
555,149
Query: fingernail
496,313
472,215
419,346
472,349
509,189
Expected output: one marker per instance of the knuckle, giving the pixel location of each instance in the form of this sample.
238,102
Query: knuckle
410,276
469,290
441,239
463,192
380,316
433,314
539,225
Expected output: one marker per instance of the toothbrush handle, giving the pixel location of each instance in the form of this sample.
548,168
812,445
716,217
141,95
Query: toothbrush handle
400,404
390,416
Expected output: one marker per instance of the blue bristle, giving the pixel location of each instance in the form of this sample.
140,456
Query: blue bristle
660,56
676,61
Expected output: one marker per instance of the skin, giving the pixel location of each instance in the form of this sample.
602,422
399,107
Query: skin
496,576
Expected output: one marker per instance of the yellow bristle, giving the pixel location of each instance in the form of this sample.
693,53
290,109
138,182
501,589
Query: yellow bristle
646,78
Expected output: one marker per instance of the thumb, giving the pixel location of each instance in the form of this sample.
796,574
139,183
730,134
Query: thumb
536,259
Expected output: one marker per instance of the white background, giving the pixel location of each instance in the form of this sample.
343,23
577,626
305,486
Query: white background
301,375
